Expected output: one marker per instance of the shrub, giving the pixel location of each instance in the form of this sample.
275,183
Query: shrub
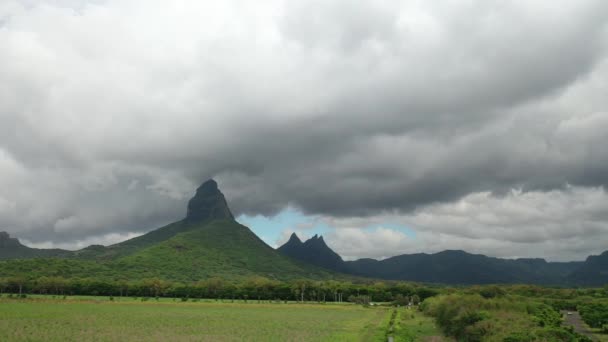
519,337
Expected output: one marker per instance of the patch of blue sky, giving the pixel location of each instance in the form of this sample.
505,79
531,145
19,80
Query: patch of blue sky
290,219
394,226
269,229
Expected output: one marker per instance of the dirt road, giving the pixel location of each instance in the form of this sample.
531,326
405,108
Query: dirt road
576,321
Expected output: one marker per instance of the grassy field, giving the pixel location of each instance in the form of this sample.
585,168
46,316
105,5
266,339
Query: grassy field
47,319
411,325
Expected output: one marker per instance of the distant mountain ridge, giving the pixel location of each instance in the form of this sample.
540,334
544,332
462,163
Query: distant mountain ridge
455,267
594,271
209,242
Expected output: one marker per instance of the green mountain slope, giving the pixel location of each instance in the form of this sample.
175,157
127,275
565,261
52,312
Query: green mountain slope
221,248
207,243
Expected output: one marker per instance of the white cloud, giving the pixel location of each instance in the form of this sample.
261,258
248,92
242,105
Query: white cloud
559,225
360,109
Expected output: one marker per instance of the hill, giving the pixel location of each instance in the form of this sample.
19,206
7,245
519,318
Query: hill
208,242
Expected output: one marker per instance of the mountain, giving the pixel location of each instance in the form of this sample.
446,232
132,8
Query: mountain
314,251
593,272
451,266
208,242
221,248
11,248
459,267
207,205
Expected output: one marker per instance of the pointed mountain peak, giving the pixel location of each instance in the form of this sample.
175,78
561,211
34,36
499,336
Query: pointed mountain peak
316,240
294,239
208,204
314,251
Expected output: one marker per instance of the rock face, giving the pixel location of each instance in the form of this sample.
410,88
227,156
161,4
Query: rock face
314,251
208,204
6,241
11,248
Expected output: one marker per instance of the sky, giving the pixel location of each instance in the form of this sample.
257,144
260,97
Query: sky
390,127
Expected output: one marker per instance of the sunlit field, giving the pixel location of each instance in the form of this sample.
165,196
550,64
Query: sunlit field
102,319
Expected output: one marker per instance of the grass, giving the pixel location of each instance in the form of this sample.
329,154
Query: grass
412,325
78,319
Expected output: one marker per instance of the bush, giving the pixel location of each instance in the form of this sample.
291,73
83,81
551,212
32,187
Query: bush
401,300
488,292
596,315
519,337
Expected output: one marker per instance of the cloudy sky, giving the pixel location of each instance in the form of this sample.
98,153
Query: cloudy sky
389,126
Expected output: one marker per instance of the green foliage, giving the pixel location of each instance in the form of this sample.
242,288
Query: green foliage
411,325
491,292
594,314
471,317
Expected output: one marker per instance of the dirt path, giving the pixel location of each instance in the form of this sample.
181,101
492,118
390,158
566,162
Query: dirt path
576,321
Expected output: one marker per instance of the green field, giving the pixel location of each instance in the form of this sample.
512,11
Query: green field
37,319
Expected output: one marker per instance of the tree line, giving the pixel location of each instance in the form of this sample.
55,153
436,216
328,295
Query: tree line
255,288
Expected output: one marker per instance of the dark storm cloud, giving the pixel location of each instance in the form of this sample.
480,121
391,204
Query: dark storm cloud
337,108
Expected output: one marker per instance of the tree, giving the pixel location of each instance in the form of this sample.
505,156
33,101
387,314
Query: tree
157,287
215,286
3,285
17,282
299,288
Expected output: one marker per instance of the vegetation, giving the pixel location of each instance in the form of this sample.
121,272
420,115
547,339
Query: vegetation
468,316
479,313
254,288
595,315
411,325
35,319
